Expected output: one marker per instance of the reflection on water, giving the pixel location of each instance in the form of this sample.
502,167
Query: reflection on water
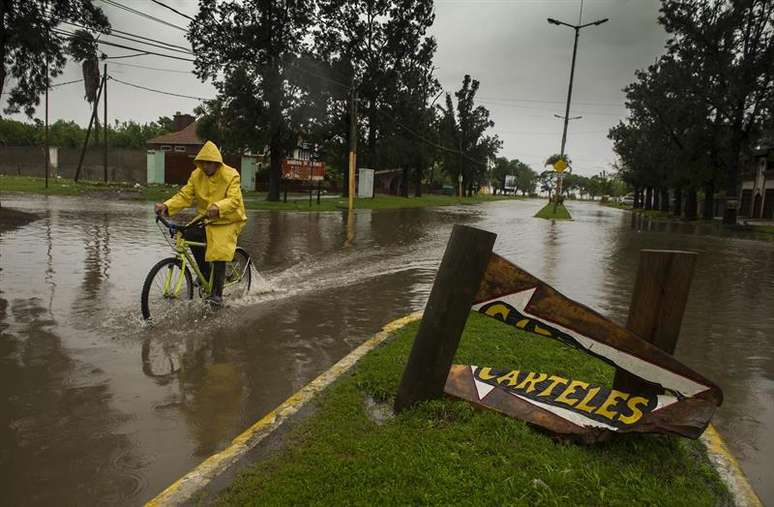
96,405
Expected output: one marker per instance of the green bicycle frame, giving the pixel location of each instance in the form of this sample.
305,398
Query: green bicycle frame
182,252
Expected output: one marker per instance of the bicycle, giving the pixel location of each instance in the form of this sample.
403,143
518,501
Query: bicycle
170,280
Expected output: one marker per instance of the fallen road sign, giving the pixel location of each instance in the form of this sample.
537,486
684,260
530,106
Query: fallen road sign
681,400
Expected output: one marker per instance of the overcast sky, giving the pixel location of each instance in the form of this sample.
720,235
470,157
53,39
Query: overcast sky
522,62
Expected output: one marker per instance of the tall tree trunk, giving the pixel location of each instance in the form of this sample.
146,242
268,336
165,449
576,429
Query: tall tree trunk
649,198
664,201
274,91
678,207
637,198
732,177
709,200
691,204
404,182
418,181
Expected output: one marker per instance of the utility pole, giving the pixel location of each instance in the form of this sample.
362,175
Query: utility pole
577,29
48,85
48,150
88,130
352,146
105,121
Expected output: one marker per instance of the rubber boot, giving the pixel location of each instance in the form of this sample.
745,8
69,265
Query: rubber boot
218,279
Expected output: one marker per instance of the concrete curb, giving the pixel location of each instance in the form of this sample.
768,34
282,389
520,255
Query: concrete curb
729,470
184,489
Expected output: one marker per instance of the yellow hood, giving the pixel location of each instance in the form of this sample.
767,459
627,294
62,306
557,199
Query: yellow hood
208,153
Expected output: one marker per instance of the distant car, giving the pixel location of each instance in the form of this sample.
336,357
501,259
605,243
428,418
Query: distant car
628,200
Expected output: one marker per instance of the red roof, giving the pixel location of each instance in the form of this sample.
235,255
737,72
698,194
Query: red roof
185,136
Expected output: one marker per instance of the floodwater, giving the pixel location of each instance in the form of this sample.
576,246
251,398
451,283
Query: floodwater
97,408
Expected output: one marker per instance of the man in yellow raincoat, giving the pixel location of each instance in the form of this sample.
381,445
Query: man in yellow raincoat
216,188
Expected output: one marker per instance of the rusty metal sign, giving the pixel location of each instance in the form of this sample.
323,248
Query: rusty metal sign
681,400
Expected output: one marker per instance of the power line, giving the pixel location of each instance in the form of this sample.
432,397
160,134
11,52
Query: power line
124,56
137,41
156,91
540,101
112,30
66,83
153,68
113,3
69,36
172,9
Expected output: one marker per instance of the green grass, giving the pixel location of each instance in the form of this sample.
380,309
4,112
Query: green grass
548,212
447,452
253,200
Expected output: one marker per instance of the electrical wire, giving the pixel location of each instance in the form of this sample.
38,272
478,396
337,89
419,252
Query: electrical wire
152,68
172,9
66,83
155,90
69,36
124,56
112,30
118,5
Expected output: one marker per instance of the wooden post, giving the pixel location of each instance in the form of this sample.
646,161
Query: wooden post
459,276
658,303
105,123
88,131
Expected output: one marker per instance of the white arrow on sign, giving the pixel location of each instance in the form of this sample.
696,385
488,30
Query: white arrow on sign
635,365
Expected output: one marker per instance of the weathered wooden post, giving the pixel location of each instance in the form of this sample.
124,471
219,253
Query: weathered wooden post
658,303
463,265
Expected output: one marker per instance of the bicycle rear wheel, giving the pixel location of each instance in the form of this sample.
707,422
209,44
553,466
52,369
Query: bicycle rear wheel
238,275
165,287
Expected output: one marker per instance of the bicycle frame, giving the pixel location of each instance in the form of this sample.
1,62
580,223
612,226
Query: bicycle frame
182,252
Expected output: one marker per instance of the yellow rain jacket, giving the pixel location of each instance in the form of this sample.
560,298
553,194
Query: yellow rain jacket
221,189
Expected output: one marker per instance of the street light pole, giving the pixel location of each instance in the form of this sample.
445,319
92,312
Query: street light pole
577,29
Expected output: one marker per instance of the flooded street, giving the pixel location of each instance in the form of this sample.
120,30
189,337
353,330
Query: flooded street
97,408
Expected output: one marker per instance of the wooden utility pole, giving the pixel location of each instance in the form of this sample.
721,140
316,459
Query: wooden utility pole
352,146
657,307
446,312
88,130
48,150
105,121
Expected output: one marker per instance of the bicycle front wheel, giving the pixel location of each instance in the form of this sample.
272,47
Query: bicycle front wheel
166,285
238,275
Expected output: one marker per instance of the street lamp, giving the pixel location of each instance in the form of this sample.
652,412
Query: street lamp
577,29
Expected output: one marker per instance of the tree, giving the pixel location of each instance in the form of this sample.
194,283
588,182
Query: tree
28,45
248,48
380,49
465,132
732,45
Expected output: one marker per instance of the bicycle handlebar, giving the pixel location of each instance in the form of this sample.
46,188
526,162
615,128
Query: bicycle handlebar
173,227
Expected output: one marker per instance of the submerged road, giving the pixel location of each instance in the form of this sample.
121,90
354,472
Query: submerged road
95,407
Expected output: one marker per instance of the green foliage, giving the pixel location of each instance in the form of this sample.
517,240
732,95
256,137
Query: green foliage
526,178
464,132
27,43
339,455
556,157
696,112
69,134
248,48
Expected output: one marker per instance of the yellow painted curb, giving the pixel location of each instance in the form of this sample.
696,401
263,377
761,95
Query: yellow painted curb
187,486
728,468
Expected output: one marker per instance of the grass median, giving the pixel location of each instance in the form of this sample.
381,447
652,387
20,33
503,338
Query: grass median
447,451
253,200
552,212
